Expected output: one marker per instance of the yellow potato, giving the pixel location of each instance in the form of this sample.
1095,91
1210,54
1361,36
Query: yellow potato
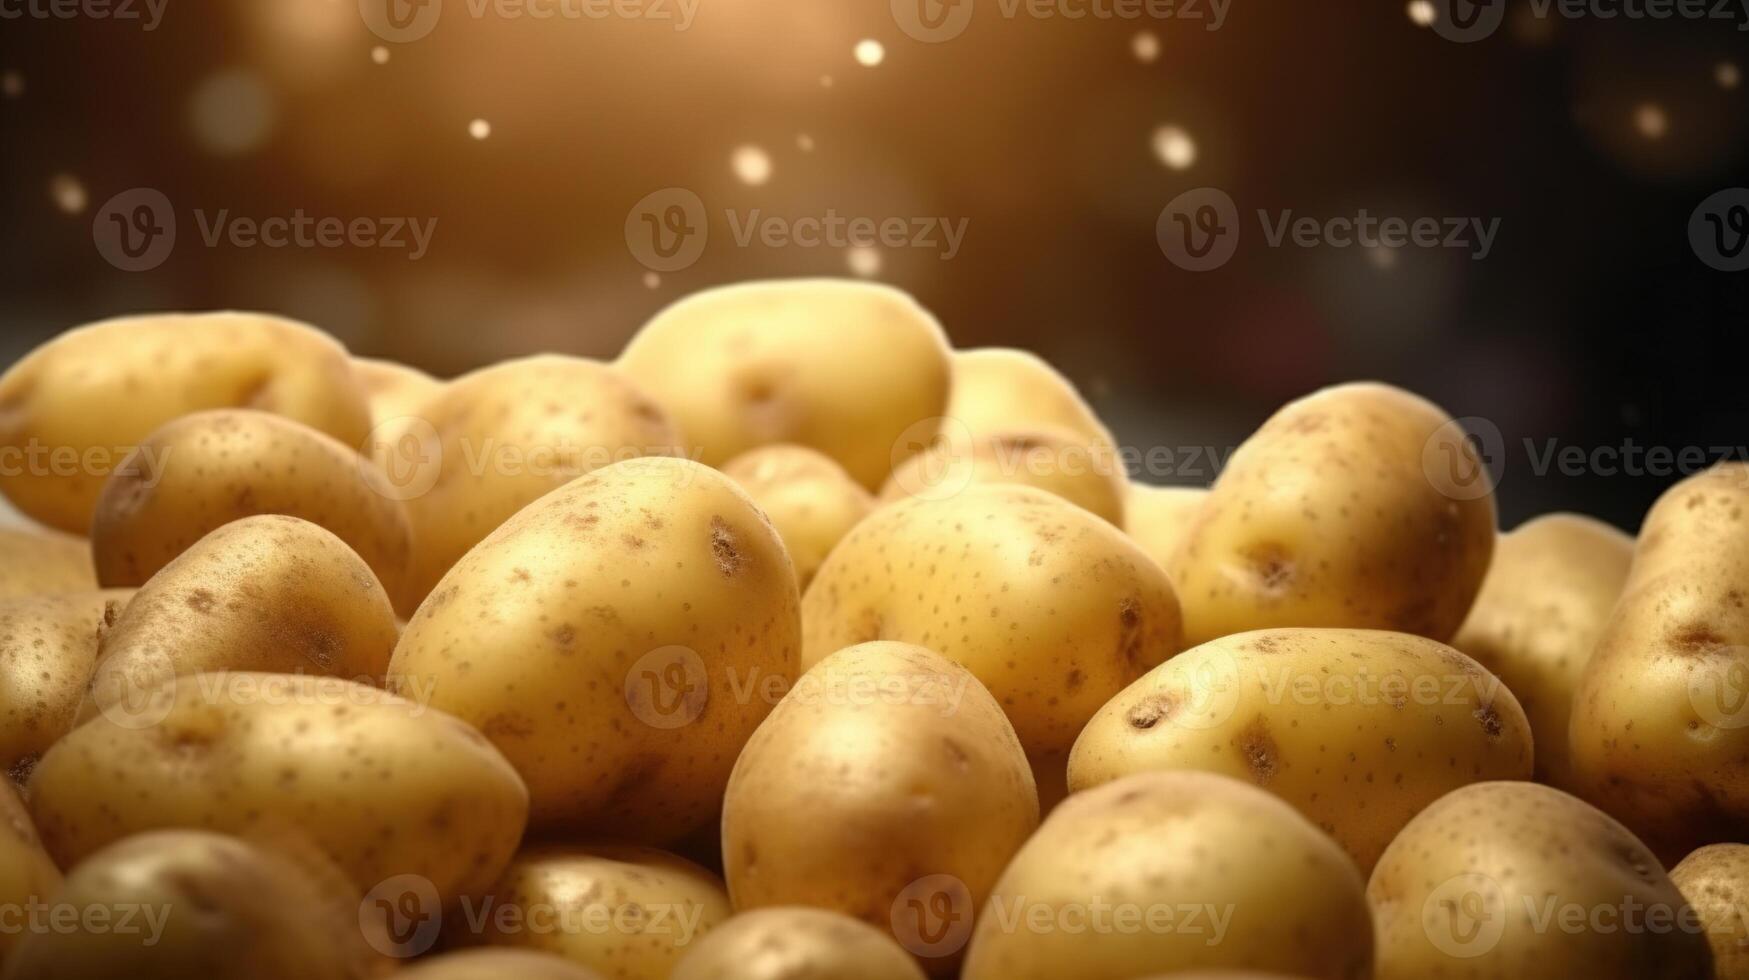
27,875
629,913
1358,729
1157,517
1052,608
1546,599
796,943
395,391
48,645
1340,512
616,640
811,501
202,471
496,964
997,388
385,786
268,593
34,562
1511,880
1163,871
1054,460
73,409
848,368
887,768
1715,882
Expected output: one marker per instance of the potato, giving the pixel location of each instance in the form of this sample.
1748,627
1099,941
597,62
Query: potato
1358,729
796,943
1055,460
496,440
1163,871
615,640
48,646
809,498
997,388
34,562
27,875
887,765
181,904
394,390
1715,882
845,367
496,964
1660,724
269,593
1052,608
385,786
202,471
629,913
1157,517
1546,598
74,408
1514,879
1340,512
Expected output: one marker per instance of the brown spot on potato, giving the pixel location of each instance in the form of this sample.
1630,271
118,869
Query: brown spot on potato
202,601
725,548
1696,638
1150,711
1489,719
1258,750
1271,565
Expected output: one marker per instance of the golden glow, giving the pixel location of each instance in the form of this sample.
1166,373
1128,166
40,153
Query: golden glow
1422,13
1728,75
1650,120
804,143
380,55
12,85
1146,46
232,112
870,52
863,260
752,165
479,129
652,280
67,193
1174,147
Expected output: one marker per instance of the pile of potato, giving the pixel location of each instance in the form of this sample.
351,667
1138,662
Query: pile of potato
795,644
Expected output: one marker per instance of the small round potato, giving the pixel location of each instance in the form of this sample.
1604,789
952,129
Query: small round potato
796,943
27,875
1511,880
84,400
1174,870
997,388
1054,460
1715,881
811,501
48,646
496,964
34,562
1158,517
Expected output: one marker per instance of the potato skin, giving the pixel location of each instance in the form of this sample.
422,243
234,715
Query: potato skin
1158,517
1052,608
809,498
42,562
1054,460
106,386
1337,513
997,388
393,390
559,635
383,785
796,943
496,964
1358,729
48,647
838,365
27,873
1548,594
1715,881
1477,884
844,800
1173,840
202,471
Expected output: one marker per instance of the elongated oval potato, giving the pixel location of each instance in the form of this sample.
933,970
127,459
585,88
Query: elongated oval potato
34,562
998,388
1166,871
48,646
394,390
1158,517
886,765
1052,608
1548,594
1510,880
1660,726
1338,512
27,874
496,964
615,640
80,403
627,912
202,471
1054,460
385,786
811,501
1715,882
796,943
1358,729
837,365
182,904
269,593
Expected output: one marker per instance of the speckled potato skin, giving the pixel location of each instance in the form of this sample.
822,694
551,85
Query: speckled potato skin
1466,891
809,498
1054,460
1296,902
540,633
202,471
1358,729
1053,609
1656,737
204,906
383,785
997,388
841,801
494,441
496,964
1715,881
34,562
841,366
26,872
638,910
394,390
1331,515
107,385
48,646
1158,517
269,593
796,943
1535,623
